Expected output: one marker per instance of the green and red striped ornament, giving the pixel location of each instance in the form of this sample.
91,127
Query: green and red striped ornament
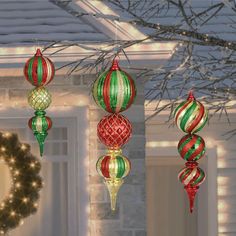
191,116
113,167
114,90
40,124
192,177
191,147
39,70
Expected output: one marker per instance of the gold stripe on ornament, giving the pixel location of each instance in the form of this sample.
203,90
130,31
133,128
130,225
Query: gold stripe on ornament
202,120
190,177
49,69
99,166
39,124
120,94
113,167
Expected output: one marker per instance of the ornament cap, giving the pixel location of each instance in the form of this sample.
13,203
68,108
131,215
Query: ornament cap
38,53
191,96
113,186
191,191
115,65
192,164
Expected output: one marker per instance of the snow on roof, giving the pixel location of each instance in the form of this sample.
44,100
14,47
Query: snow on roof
28,21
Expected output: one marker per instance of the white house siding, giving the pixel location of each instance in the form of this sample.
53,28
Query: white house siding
159,133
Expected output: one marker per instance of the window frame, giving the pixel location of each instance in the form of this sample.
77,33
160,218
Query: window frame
77,131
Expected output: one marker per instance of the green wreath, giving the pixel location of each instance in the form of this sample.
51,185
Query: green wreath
26,182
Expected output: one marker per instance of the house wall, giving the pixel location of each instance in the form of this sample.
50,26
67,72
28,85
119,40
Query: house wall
129,219
162,139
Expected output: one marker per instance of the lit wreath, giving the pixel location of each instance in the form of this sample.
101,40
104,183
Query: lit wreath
26,182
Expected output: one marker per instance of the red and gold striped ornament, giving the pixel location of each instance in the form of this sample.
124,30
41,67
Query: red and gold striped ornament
39,70
191,116
192,177
114,90
114,130
113,167
191,147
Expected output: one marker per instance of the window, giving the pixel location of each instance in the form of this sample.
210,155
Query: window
63,196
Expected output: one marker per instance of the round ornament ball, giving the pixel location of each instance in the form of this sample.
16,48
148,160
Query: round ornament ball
39,70
191,116
114,90
114,130
113,165
191,147
39,98
191,175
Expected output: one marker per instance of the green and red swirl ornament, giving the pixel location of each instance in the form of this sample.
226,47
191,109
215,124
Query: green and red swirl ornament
191,116
113,167
191,147
114,91
191,177
39,71
40,124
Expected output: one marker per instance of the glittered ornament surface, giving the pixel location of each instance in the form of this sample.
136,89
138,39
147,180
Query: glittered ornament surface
191,147
114,90
191,116
192,177
113,165
39,98
40,124
39,70
114,130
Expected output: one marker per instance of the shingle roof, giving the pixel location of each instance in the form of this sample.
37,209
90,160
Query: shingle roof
25,21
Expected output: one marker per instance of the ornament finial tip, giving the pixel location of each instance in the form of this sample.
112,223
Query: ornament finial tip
191,191
115,64
190,95
38,52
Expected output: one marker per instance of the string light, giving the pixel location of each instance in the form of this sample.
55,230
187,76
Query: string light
34,184
32,165
25,200
13,213
3,149
23,147
6,135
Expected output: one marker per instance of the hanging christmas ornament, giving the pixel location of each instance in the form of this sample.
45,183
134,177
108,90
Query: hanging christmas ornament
114,90
114,130
191,147
39,70
190,115
39,98
113,167
192,177
40,124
